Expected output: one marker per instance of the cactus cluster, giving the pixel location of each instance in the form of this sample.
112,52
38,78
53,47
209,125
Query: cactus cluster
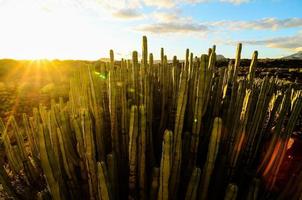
141,130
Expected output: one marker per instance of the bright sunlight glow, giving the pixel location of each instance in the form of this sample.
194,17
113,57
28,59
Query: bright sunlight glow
34,30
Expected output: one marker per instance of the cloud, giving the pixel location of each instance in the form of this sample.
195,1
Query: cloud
236,2
160,3
120,4
125,4
121,9
261,24
127,14
172,22
293,43
164,28
127,9
169,17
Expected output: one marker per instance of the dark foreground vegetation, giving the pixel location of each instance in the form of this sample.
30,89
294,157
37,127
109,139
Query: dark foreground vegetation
197,129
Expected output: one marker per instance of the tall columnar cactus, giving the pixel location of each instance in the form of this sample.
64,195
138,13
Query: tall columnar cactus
253,190
98,115
113,104
112,179
177,142
274,143
142,144
271,171
135,76
240,133
231,192
204,82
53,184
103,187
193,185
165,166
133,135
237,61
144,52
89,148
211,158
4,177
154,183
252,69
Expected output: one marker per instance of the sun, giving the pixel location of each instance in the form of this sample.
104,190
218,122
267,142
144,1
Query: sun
40,62
41,31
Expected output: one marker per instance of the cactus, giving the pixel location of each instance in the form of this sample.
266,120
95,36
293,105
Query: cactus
177,142
133,135
231,192
103,188
274,141
113,137
241,134
89,148
4,178
237,61
193,185
113,105
142,153
112,179
165,166
53,184
211,158
253,190
154,183
253,65
200,103
283,144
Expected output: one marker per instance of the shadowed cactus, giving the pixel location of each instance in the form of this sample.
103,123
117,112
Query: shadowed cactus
193,185
165,166
133,152
211,158
103,182
231,192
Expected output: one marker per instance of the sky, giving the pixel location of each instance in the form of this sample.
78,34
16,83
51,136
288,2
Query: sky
88,29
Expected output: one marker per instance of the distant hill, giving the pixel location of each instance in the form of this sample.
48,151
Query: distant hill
295,56
220,57
105,59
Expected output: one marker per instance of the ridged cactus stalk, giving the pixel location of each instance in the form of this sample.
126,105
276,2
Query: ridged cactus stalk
165,166
211,158
231,192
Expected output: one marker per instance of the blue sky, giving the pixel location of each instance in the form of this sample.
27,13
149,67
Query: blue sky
87,29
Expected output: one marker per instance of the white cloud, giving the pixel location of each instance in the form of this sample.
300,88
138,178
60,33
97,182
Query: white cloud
118,4
237,2
126,4
160,3
261,24
166,17
172,22
127,14
293,43
164,28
